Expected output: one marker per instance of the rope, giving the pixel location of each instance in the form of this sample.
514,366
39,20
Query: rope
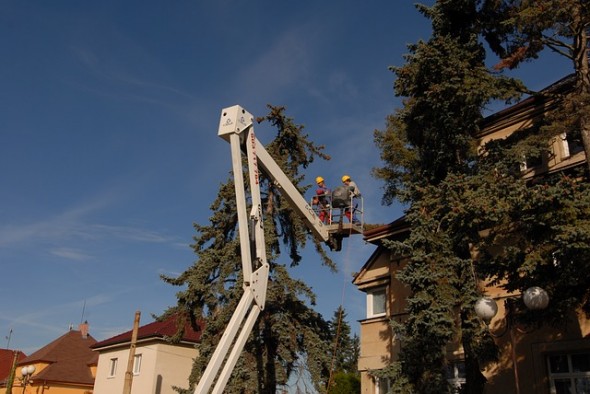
339,325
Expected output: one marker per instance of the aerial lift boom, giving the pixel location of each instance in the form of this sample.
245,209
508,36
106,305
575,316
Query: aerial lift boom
236,127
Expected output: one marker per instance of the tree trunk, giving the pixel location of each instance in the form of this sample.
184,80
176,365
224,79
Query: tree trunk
580,58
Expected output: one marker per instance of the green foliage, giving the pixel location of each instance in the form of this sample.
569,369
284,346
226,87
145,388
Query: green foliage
288,328
540,235
346,383
526,231
345,348
430,163
519,30
445,84
344,354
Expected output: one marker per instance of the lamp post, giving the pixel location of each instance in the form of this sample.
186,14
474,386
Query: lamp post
27,375
534,298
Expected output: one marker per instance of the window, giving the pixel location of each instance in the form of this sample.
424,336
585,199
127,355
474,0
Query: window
376,302
571,144
569,373
136,364
113,367
456,375
530,162
382,385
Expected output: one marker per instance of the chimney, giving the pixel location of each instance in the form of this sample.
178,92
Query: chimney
83,327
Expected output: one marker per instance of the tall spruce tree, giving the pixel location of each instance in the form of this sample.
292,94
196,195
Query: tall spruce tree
344,356
539,231
288,329
445,85
518,30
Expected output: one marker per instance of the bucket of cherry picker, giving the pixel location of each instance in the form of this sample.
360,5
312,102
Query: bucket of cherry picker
341,212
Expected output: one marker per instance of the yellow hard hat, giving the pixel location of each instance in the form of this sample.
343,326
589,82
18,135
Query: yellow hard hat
345,178
319,180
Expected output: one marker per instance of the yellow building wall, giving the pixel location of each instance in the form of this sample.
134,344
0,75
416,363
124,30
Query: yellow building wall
532,345
40,387
378,346
48,388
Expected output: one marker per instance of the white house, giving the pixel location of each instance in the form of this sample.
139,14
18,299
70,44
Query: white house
158,364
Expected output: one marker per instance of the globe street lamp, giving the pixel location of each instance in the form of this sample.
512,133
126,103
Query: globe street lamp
27,375
534,298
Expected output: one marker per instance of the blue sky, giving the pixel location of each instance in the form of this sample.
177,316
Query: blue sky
109,149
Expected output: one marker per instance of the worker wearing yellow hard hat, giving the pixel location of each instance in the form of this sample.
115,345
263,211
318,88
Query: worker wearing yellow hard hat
354,190
354,193
322,199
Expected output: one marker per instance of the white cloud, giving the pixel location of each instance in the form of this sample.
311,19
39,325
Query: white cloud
77,225
71,254
131,234
38,318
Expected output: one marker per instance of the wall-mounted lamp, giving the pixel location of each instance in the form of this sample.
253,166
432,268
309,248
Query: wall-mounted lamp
27,375
534,298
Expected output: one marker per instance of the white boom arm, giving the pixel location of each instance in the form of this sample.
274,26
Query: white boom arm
236,127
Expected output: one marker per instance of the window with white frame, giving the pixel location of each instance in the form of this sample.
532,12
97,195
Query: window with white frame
569,373
570,144
136,364
113,367
376,302
456,375
382,385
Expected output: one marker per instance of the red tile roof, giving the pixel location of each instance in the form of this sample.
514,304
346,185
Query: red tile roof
69,358
158,330
6,360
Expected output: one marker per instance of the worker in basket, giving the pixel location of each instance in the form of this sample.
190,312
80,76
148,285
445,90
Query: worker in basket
353,194
322,200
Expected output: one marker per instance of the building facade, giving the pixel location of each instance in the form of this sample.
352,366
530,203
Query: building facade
158,364
65,366
544,360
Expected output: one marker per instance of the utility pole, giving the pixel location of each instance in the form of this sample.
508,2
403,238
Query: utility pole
10,381
129,372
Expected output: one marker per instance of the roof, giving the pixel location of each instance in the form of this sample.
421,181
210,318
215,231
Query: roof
69,357
6,360
397,229
538,101
156,330
399,226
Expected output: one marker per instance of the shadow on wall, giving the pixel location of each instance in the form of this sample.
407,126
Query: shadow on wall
158,389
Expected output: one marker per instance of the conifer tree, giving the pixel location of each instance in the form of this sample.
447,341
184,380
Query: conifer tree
539,231
288,329
547,221
344,355
519,30
445,85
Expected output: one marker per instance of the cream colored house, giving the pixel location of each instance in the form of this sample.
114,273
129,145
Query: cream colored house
158,365
545,360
